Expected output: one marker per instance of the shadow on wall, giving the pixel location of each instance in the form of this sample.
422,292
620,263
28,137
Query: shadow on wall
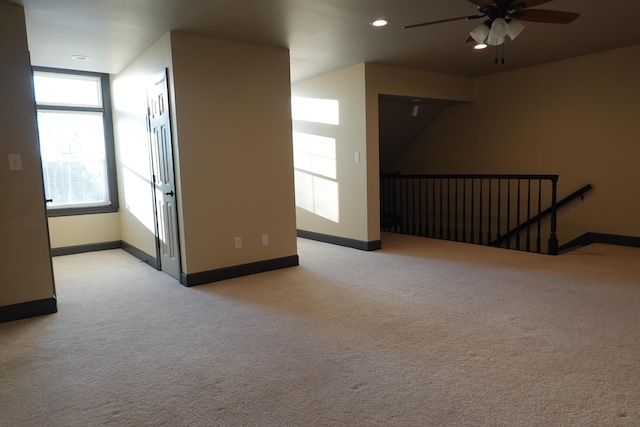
402,119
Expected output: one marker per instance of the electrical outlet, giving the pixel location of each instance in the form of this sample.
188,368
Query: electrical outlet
265,240
238,242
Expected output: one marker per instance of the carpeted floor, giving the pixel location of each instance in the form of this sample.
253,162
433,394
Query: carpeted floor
421,333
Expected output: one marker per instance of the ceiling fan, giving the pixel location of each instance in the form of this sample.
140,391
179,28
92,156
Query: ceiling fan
503,19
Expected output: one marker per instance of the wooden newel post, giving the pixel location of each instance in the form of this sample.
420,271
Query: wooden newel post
553,238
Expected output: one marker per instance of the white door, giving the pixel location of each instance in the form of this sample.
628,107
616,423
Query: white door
164,191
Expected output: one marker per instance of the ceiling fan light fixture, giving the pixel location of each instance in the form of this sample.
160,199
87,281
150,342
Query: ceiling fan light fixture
515,28
495,41
480,33
499,29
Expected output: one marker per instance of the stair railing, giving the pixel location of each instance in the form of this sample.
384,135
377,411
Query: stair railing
479,209
579,193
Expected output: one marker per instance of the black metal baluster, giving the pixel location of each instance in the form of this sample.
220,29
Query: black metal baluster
420,219
528,241
473,215
553,238
499,211
426,207
441,216
464,209
489,217
433,207
402,205
518,219
390,201
409,206
508,213
397,188
413,206
455,218
416,201
405,206
480,213
538,249
407,209
417,206
448,209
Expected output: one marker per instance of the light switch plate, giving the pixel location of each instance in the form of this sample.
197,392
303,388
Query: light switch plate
15,162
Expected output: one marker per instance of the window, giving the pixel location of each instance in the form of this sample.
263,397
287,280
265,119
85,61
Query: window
76,141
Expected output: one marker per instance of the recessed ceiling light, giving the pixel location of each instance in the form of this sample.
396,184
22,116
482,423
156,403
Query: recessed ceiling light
480,46
80,57
380,23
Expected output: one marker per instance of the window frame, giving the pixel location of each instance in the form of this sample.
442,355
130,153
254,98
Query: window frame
110,155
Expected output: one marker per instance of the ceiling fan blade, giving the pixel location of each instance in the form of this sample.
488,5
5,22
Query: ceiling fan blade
444,20
532,3
544,15
525,3
484,2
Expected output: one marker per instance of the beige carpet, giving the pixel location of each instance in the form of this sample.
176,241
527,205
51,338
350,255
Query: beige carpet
421,333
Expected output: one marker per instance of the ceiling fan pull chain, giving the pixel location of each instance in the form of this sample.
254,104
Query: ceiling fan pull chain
502,57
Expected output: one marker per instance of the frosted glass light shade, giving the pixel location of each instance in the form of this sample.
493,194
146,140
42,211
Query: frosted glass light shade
495,41
515,28
499,28
480,33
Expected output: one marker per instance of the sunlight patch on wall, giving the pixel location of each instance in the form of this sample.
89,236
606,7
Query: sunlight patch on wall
318,195
314,160
315,154
129,96
316,110
137,197
315,157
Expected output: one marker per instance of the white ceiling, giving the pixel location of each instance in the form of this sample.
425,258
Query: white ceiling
322,35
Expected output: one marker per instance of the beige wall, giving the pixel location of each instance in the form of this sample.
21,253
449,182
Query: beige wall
382,79
342,212
232,148
577,118
24,253
132,145
234,152
77,230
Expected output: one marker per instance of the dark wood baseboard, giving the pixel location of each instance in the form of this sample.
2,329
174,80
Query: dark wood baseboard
194,279
610,239
103,246
92,247
24,310
141,255
341,241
